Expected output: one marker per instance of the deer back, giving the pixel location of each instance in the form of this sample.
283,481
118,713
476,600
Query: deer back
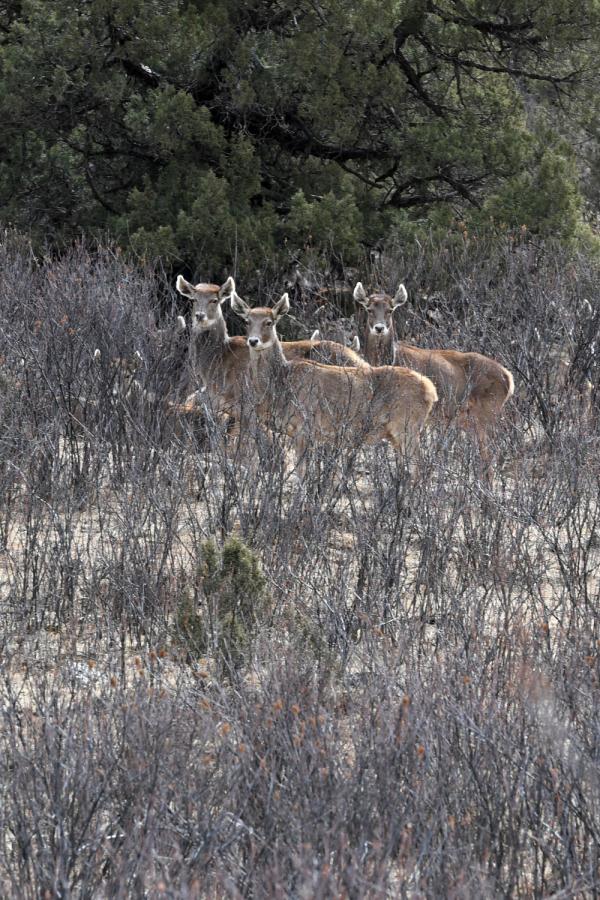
324,352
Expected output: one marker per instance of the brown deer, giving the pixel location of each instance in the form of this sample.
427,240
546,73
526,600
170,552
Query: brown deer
472,388
218,361
312,402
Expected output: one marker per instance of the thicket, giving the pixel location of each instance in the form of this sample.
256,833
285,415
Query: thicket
228,133
215,685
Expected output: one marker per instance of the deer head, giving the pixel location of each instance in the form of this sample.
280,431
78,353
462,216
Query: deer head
207,300
380,308
261,322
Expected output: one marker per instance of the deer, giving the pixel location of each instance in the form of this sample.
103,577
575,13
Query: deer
219,361
310,401
353,343
123,371
473,389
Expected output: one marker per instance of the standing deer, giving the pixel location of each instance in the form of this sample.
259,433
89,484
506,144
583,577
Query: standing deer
472,388
216,360
309,401
219,361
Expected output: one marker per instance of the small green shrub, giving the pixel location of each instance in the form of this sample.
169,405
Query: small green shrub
221,616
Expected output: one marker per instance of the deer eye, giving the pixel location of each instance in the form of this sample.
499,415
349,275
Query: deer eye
212,302
268,324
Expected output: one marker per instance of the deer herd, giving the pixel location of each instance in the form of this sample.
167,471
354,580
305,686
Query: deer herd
321,392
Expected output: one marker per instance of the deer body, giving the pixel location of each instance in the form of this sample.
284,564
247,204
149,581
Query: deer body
308,400
465,380
472,388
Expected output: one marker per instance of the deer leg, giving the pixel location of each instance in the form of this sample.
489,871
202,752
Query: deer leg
403,445
472,419
301,448
485,452
406,445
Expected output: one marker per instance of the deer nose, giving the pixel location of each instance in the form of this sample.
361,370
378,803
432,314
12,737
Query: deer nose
200,316
253,342
380,329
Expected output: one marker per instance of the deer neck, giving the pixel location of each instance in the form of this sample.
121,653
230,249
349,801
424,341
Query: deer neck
267,367
207,348
379,349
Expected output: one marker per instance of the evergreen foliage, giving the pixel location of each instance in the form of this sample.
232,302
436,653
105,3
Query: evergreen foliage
221,134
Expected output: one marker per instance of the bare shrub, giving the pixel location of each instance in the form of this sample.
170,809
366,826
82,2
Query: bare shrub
213,684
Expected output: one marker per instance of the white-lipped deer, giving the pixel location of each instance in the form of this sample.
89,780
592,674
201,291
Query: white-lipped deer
472,388
311,402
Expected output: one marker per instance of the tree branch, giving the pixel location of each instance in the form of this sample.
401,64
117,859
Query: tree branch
508,70
414,80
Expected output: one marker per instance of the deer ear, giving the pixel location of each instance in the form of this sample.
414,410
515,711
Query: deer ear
355,343
180,325
239,306
315,335
360,295
282,306
227,290
184,287
400,297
